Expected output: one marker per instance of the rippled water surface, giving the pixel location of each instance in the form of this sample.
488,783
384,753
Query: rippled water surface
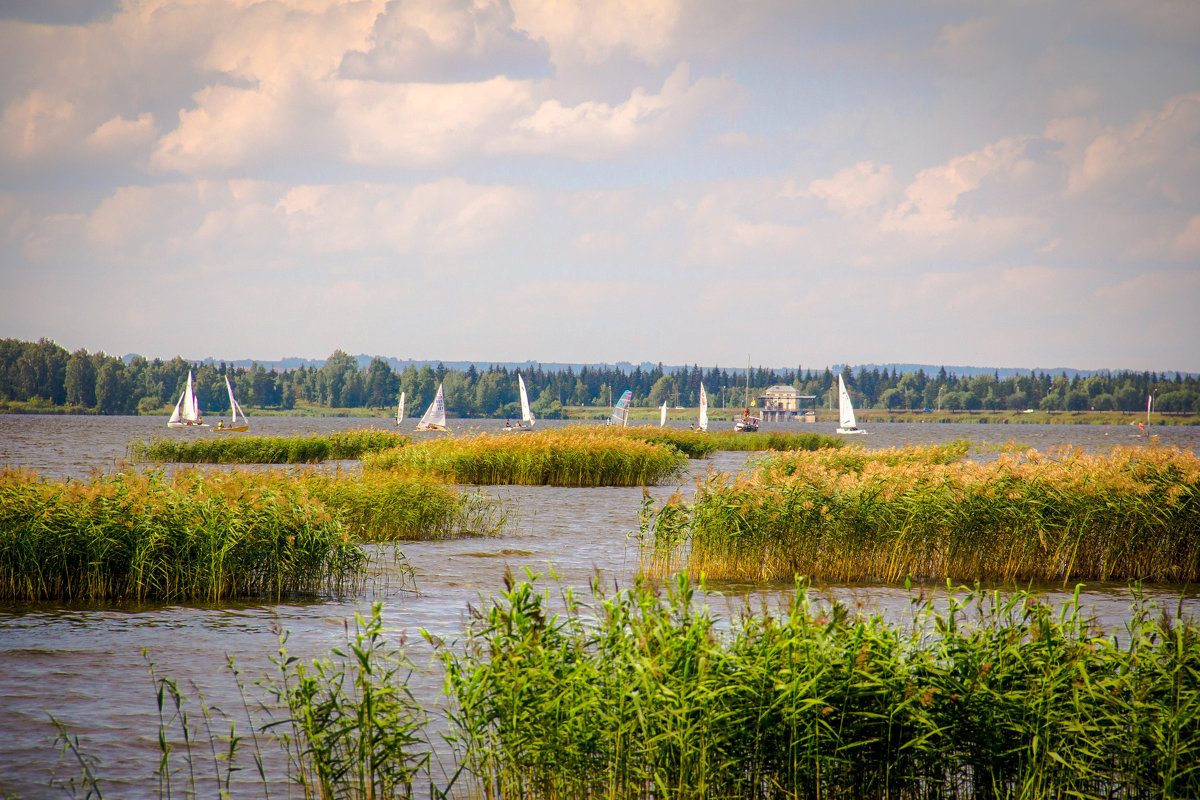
85,665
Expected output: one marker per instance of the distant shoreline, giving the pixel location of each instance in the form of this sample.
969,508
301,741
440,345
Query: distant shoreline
866,416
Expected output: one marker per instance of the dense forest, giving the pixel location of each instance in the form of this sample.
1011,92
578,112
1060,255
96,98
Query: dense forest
43,376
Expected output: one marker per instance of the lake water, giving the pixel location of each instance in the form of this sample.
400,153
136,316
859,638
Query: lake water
84,664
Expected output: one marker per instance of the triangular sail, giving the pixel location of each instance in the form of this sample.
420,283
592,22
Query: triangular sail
435,415
620,412
526,414
400,410
845,407
191,404
234,406
187,410
176,415
662,414
702,423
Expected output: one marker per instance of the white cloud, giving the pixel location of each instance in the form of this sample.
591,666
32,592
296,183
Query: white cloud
1157,154
445,41
865,185
930,207
594,32
36,126
119,134
424,125
1186,245
594,129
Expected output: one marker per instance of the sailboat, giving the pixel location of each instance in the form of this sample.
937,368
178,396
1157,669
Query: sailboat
662,414
702,422
845,410
527,419
747,424
239,423
434,418
400,410
187,410
1144,427
620,412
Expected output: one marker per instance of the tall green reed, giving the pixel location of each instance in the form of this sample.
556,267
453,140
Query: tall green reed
637,695
774,440
212,535
353,728
244,449
186,536
344,726
565,457
839,515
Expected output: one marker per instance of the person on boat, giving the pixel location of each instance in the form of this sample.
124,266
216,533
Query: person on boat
221,425
507,424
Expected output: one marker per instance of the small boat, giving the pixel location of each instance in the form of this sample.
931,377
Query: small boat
846,410
187,410
239,422
527,420
748,423
620,412
662,414
702,422
434,418
400,410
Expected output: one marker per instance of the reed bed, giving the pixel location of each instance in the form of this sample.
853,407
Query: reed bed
240,449
566,457
202,535
691,443
384,506
764,440
888,515
188,536
856,459
695,444
640,696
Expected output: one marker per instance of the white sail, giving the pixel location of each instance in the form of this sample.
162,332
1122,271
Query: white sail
195,416
526,414
239,414
400,410
847,423
187,410
620,412
176,415
702,422
662,414
434,418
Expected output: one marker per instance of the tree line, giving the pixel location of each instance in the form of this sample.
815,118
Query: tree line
44,375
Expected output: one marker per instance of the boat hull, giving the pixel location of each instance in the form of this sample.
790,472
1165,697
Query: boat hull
432,427
238,429
849,431
187,425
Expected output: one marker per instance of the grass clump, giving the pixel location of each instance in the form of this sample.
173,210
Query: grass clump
384,506
239,449
637,696
563,457
886,515
210,536
764,440
188,536
691,443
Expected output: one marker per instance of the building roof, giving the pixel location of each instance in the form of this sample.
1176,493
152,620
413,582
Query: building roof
782,389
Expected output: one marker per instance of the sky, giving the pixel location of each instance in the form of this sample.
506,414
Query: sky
1010,183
